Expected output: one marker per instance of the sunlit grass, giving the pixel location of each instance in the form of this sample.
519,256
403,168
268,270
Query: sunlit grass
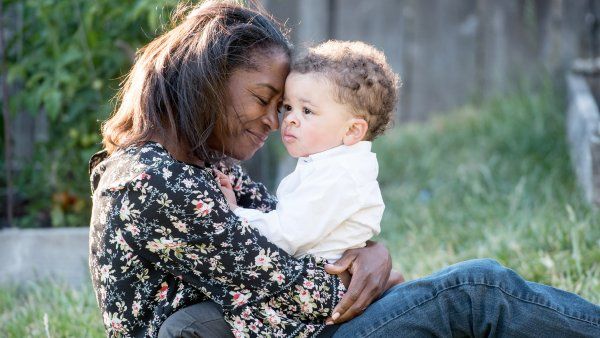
487,181
490,181
49,309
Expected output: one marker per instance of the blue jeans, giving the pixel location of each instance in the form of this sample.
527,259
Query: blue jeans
476,298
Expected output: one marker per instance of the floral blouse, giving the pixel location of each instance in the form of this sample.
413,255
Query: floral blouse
162,237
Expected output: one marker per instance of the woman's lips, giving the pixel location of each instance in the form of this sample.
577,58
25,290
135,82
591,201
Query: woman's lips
259,138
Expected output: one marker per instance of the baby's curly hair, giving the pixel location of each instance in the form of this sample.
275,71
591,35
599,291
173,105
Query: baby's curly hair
364,79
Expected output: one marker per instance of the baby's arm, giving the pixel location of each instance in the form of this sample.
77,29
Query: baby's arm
227,189
306,215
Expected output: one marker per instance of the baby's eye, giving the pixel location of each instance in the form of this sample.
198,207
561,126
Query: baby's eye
306,111
284,108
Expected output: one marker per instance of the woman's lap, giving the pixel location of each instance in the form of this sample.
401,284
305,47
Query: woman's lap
473,298
202,320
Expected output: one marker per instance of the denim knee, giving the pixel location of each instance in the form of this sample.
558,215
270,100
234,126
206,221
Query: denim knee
485,271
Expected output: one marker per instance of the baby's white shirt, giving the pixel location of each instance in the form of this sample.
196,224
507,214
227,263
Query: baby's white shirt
330,203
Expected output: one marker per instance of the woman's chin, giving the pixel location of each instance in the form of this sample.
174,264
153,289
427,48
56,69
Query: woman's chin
242,155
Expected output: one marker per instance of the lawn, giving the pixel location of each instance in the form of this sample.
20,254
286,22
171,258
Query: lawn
492,180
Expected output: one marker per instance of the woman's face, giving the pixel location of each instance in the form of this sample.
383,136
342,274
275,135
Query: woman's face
253,99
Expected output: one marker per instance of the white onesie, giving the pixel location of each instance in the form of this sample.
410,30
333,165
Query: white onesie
330,203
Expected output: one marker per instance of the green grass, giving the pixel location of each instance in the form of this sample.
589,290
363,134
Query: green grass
485,181
49,309
490,181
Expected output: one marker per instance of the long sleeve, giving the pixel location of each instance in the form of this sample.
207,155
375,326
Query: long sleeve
311,210
249,193
190,232
162,237
176,219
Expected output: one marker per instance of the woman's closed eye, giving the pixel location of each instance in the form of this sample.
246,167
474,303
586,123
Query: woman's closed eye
261,101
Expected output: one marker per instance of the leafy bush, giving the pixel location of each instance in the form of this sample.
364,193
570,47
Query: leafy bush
65,61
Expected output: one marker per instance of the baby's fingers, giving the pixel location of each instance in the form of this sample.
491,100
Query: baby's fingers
223,179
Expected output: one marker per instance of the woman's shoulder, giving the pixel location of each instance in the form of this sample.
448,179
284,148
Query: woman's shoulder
150,160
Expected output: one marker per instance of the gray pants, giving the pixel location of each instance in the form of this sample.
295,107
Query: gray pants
200,320
205,320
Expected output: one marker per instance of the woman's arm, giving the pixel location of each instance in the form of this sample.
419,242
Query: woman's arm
175,218
370,269
249,194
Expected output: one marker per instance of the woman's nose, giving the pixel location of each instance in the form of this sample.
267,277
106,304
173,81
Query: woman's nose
272,119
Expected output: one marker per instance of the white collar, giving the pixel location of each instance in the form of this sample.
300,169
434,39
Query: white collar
360,147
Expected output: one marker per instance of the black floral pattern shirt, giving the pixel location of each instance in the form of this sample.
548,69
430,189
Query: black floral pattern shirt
162,237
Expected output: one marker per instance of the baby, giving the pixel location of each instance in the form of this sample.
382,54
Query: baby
338,98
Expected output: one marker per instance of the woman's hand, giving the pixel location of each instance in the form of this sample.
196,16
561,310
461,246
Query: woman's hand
395,279
369,268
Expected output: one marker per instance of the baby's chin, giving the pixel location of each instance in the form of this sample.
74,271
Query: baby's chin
293,152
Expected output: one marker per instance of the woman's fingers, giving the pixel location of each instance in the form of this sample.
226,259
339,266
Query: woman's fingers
359,303
342,264
370,268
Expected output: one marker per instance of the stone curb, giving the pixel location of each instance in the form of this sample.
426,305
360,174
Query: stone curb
35,254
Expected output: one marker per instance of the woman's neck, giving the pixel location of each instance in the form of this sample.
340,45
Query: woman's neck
178,151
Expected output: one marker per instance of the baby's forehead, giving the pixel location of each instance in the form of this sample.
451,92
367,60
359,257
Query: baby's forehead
320,80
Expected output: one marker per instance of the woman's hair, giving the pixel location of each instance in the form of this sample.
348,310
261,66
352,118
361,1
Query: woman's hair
178,81
361,76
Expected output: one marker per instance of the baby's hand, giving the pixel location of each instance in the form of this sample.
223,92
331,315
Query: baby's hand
226,188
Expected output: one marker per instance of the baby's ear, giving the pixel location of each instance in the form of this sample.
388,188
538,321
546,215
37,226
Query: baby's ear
356,131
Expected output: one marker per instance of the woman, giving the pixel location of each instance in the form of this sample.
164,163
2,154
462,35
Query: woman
163,239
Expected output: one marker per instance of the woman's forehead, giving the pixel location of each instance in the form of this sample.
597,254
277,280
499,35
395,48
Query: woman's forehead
269,73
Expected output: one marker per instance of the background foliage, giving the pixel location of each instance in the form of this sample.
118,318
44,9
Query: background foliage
65,60
485,181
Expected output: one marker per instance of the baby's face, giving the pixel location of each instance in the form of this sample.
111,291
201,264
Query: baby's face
312,120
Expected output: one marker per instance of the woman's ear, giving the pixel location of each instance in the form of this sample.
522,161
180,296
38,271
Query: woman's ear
356,131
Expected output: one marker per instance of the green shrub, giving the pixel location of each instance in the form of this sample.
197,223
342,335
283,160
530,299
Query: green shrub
65,60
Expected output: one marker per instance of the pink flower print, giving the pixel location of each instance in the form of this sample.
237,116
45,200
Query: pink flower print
274,319
308,284
317,295
162,293
124,211
262,260
177,299
114,322
304,295
135,308
246,314
132,228
278,277
239,298
202,208
307,308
